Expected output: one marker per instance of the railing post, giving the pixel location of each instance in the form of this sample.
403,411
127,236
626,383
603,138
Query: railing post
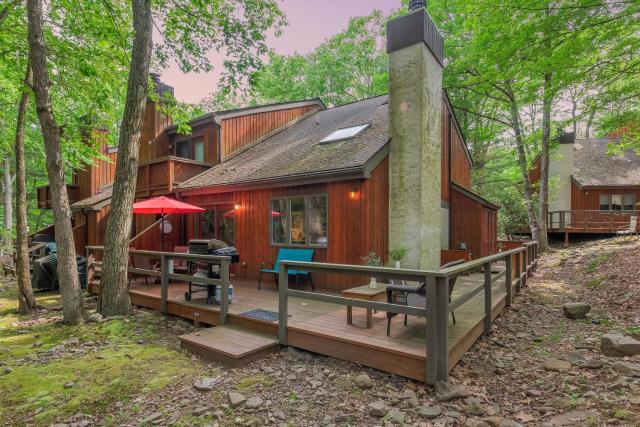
509,278
519,271
283,309
526,261
437,307
488,303
164,283
224,291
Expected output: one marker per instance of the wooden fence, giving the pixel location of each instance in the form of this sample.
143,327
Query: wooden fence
437,308
590,221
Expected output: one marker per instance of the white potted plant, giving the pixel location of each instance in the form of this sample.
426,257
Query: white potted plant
372,260
397,255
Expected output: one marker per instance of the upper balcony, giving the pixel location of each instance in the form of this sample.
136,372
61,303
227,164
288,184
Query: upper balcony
160,176
44,195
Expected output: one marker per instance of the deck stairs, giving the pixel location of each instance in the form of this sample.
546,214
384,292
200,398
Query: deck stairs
230,345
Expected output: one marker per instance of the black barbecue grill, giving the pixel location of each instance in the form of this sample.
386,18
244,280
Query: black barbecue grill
208,247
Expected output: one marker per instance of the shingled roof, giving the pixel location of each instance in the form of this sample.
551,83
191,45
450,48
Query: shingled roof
95,202
295,153
594,167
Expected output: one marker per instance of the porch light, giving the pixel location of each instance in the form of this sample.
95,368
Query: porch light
353,193
236,206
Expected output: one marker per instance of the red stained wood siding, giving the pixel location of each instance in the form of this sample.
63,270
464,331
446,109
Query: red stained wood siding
238,132
101,172
356,225
456,163
474,224
589,198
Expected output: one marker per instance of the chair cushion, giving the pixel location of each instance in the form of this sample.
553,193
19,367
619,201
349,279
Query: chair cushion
293,254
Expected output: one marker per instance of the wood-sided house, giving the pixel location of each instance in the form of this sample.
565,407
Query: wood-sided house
591,190
372,175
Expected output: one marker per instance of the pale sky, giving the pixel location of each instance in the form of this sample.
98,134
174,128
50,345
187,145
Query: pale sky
310,23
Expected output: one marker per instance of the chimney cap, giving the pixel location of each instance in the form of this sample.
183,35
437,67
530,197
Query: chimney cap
417,5
566,138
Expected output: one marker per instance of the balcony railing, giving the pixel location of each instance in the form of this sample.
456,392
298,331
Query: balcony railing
161,176
590,221
44,195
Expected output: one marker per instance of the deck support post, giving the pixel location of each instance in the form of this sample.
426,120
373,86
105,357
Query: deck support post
224,291
437,307
526,262
518,272
488,303
509,278
283,309
164,284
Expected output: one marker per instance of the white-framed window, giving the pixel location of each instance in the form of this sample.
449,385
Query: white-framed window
618,202
299,221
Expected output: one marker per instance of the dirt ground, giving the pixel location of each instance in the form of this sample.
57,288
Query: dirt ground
130,372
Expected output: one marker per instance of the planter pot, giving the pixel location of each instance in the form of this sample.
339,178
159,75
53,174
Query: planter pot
398,264
373,284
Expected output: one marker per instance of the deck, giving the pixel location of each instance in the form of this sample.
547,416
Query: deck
322,327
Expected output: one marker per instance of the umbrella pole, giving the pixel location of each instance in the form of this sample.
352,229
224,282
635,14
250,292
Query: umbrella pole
162,233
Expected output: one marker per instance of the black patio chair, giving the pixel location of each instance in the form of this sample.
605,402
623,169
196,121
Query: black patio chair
415,295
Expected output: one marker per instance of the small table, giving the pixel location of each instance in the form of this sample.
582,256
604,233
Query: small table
368,294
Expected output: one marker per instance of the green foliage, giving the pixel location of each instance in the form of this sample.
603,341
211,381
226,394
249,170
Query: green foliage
372,260
397,254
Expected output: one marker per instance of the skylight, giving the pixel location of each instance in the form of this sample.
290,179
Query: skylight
346,133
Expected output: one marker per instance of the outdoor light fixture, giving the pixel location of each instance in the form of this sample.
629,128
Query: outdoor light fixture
353,193
236,206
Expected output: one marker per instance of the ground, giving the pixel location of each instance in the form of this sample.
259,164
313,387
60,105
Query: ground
132,371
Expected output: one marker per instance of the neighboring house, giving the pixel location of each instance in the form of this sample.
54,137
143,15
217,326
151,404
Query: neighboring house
592,191
372,175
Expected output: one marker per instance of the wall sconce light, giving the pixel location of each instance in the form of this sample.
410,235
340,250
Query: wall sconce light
353,193
236,206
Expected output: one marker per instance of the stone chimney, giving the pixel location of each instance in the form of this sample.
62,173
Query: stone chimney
416,218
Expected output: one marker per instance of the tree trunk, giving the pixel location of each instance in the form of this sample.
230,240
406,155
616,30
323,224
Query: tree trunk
587,131
547,99
114,292
524,169
8,201
26,300
72,306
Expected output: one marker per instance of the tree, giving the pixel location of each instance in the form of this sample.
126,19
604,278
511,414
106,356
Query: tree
114,294
26,300
190,30
72,304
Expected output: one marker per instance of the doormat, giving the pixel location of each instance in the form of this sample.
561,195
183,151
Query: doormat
260,314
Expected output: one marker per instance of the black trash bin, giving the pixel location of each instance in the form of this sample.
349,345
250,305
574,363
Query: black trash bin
45,272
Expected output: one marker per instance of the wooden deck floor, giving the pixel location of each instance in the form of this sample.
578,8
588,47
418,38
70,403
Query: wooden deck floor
322,327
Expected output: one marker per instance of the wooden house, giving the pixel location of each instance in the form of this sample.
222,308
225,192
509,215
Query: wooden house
381,173
591,190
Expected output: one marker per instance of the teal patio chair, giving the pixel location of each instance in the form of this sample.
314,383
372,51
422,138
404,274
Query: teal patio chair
288,254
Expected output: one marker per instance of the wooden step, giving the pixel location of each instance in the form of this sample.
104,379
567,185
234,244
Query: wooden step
230,345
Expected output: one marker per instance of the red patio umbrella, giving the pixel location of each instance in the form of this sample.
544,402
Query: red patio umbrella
164,205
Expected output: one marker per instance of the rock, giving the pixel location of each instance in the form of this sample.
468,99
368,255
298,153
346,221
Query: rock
6,370
494,421
573,418
634,400
592,364
473,407
560,403
205,384
534,393
236,399
430,412
576,359
378,408
509,423
590,394
72,341
410,398
94,318
254,402
556,365
70,384
576,310
627,368
476,423
200,410
395,416
617,345
446,392
363,381
153,418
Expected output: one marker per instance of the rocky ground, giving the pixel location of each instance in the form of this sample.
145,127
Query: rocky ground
538,367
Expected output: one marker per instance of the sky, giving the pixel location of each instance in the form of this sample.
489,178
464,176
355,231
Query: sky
310,23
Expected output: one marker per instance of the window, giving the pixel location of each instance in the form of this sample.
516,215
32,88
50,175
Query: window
342,134
617,202
628,202
299,221
219,223
604,202
192,149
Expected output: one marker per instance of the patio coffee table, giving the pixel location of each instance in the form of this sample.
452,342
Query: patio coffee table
368,294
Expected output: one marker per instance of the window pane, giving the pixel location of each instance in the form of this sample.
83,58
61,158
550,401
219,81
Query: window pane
629,201
278,216
616,202
198,151
226,224
604,202
182,149
208,225
298,231
318,220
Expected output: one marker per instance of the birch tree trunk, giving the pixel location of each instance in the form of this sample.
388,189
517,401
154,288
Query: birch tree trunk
7,183
26,300
114,292
72,306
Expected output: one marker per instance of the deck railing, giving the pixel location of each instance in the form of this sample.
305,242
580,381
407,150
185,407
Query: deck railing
519,265
164,274
590,221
